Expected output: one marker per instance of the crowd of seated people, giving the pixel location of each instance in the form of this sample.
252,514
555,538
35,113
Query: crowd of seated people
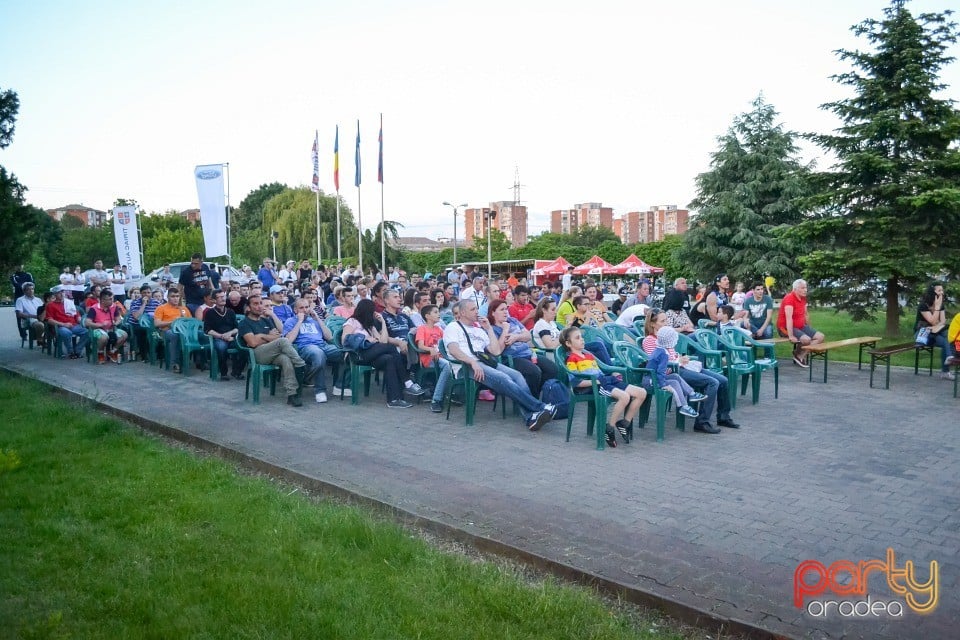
304,320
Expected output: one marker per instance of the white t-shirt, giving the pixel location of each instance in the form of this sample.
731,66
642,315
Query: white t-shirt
454,334
538,329
567,280
628,315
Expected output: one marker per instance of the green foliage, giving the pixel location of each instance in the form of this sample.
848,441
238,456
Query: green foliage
19,222
499,245
590,236
751,194
85,245
9,460
9,106
171,245
292,213
249,215
890,207
249,247
666,255
372,246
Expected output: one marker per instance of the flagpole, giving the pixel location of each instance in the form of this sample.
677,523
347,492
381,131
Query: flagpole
336,185
359,210
383,230
229,254
316,170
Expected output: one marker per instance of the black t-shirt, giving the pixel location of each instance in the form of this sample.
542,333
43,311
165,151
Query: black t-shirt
676,300
196,283
213,321
398,326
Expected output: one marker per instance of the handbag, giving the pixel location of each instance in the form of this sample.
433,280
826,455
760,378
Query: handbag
484,357
356,342
923,336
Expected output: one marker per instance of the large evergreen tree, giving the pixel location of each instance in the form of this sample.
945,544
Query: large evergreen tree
747,200
889,210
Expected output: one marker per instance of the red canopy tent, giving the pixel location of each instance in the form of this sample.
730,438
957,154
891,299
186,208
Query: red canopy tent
594,266
556,267
634,266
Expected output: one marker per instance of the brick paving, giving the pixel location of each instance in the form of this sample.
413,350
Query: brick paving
700,525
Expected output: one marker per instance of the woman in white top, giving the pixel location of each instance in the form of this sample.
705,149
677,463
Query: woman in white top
545,333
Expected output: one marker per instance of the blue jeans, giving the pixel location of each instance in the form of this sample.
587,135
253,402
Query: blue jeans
446,372
599,349
946,348
316,357
221,346
67,334
171,342
508,382
767,333
715,387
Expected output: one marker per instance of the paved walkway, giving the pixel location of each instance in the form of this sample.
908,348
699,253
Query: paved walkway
714,524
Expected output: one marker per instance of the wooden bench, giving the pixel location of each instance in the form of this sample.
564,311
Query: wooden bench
884,353
822,350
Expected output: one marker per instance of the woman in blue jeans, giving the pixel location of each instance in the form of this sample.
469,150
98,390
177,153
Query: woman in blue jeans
931,314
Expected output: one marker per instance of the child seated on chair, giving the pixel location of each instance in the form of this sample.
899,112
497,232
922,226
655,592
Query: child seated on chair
428,336
628,397
683,393
725,320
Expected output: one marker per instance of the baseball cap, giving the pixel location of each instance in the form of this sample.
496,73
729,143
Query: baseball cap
624,291
277,289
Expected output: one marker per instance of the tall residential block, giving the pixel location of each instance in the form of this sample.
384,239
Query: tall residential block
654,224
592,214
511,219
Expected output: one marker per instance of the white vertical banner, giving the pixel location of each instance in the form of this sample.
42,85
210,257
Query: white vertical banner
213,209
127,239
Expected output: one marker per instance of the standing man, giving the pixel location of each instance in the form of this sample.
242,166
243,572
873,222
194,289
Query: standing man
267,275
195,281
66,325
792,322
18,279
759,307
97,276
567,280
262,333
118,284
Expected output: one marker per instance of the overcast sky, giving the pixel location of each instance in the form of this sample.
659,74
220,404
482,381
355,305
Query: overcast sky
612,102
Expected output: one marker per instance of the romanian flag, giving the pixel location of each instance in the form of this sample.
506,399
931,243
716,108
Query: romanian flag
356,180
315,154
336,160
380,161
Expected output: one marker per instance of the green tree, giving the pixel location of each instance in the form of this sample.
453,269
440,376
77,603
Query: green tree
666,255
172,245
84,245
590,236
9,107
499,244
752,192
889,209
249,215
292,213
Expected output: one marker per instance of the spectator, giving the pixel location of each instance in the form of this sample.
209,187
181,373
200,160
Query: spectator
97,276
147,304
473,342
759,308
313,340
261,331
565,307
522,310
220,325
627,398
278,296
476,292
118,281
67,325
164,317
346,307
105,318
372,348
18,279
545,333
267,275
676,304
288,273
515,341
166,275
195,280
683,393
792,322
428,338
629,315
567,280
931,313
27,308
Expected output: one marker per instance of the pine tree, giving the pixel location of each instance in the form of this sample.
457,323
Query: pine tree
747,200
889,210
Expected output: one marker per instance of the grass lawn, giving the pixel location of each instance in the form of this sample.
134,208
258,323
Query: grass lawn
838,326
110,533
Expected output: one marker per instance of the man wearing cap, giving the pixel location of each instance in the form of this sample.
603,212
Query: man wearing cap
287,273
195,280
267,274
27,307
278,296
618,304
66,325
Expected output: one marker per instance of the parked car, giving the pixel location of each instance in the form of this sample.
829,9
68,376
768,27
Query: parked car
153,278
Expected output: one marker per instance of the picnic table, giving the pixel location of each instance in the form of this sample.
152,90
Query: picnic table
821,351
884,354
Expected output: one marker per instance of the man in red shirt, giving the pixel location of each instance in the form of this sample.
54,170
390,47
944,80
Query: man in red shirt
67,326
521,309
792,322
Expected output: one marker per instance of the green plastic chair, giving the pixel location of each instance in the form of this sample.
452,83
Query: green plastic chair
357,370
739,364
711,359
635,360
258,375
192,340
214,357
596,403
154,339
423,372
615,333
639,323
463,379
767,363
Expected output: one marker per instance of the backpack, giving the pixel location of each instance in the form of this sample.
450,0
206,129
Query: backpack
556,394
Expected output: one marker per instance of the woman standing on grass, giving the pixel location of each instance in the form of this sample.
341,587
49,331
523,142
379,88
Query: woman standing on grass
932,314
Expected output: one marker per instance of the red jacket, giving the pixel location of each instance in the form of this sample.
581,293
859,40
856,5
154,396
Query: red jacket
56,312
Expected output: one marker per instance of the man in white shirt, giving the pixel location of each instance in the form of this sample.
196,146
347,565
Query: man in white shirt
471,336
567,280
118,283
476,292
26,307
97,275
628,315
289,272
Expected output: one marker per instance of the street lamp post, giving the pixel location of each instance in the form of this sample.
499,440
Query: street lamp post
455,207
489,215
273,236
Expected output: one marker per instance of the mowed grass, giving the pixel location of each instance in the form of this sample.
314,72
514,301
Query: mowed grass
109,533
839,326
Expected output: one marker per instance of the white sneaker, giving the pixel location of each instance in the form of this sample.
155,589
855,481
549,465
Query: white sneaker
948,375
346,392
321,397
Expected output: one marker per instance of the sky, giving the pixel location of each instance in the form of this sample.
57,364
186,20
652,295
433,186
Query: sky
606,101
